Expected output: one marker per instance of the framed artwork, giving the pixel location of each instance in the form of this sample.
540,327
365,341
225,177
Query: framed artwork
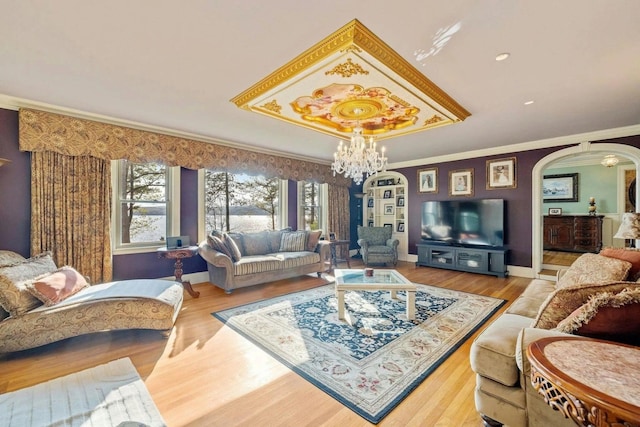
387,194
390,181
388,225
401,227
382,182
370,203
461,182
560,188
428,180
555,211
400,201
501,173
370,223
388,209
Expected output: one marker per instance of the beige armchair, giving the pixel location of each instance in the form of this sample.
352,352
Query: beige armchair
377,245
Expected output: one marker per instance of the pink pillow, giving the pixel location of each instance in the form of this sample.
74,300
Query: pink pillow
57,286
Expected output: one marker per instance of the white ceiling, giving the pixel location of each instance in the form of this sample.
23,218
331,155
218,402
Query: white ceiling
176,65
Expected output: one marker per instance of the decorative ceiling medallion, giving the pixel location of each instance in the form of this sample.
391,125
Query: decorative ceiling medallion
348,79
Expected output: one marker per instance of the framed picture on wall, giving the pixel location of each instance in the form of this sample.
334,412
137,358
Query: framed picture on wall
388,209
461,182
428,180
501,173
387,194
400,227
560,188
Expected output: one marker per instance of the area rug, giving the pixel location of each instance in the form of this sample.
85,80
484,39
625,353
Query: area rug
106,395
374,359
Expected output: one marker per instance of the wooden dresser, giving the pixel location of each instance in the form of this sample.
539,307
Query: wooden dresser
573,233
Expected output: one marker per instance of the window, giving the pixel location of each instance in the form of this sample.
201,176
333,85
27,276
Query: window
240,202
146,204
312,214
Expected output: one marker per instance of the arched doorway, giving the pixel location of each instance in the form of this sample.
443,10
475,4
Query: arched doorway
632,153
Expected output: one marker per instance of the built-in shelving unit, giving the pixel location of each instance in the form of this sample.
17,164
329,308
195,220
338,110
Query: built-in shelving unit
385,204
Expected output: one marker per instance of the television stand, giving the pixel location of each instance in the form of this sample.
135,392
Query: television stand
489,260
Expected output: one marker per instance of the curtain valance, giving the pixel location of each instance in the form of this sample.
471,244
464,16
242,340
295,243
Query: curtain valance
44,131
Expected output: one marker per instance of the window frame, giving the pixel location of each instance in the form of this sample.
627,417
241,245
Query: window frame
283,209
322,204
172,185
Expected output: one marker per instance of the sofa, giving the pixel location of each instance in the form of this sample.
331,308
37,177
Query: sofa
41,303
236,260
596,297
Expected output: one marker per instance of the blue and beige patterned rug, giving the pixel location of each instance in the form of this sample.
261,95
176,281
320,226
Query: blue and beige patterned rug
375,359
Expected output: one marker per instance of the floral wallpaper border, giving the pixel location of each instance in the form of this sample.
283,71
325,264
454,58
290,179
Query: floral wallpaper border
45,131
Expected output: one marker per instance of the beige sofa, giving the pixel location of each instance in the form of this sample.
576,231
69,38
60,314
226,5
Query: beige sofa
596,297
236,260
27,321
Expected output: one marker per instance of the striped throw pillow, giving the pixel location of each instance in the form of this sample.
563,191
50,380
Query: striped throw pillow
295,241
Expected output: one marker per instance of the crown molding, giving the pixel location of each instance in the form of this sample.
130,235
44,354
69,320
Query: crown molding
14,103
525,146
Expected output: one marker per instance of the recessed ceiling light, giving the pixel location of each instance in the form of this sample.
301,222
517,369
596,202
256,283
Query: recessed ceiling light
528,102
502,56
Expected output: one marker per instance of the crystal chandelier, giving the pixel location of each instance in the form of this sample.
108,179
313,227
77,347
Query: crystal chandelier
359,158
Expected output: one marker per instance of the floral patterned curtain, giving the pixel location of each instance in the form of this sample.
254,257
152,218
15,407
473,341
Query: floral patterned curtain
44,131
71,212
339,218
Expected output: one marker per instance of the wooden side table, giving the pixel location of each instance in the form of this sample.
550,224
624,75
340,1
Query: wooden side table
178,254
343,246
593,382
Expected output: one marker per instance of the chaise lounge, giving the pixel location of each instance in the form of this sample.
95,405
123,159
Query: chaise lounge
67,306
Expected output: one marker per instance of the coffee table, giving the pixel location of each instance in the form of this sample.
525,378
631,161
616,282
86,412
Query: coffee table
385,280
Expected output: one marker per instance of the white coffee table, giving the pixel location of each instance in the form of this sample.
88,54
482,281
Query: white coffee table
382,280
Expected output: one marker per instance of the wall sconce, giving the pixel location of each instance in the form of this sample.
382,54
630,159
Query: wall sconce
610,160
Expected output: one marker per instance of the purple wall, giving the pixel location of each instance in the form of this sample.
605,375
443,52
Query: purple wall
15,204
15,188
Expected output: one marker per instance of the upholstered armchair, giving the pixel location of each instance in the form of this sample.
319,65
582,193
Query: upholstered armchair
377,246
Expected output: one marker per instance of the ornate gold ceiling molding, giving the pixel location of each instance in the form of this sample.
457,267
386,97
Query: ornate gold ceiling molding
352,57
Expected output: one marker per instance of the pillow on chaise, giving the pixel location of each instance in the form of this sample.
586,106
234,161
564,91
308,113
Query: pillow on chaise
14,296
10,258
563,301
631,255
609,316
51,288
593,268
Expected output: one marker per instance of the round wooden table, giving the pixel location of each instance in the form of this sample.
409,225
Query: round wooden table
178,254
593,382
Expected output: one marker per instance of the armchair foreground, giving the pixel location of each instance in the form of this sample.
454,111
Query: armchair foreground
377,246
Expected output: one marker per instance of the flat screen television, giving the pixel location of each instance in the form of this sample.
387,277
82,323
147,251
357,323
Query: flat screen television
464,222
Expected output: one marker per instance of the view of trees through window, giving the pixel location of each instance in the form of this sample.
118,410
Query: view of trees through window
310,204
238,202
142,197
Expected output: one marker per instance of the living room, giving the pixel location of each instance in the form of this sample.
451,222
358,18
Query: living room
588,134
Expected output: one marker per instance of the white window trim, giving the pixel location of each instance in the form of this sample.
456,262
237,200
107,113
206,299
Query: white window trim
283,210
323,202
173,208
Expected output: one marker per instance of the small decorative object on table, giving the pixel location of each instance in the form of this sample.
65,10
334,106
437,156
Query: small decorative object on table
592,206
368,272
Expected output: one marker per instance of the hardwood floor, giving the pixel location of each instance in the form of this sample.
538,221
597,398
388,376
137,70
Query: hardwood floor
205,374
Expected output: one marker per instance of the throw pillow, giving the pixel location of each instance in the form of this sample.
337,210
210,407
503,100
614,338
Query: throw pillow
10,258
609,316
626,254
562,302
295,241
51,288
592,268
232,247
313,239
14,296
256,243
217,244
